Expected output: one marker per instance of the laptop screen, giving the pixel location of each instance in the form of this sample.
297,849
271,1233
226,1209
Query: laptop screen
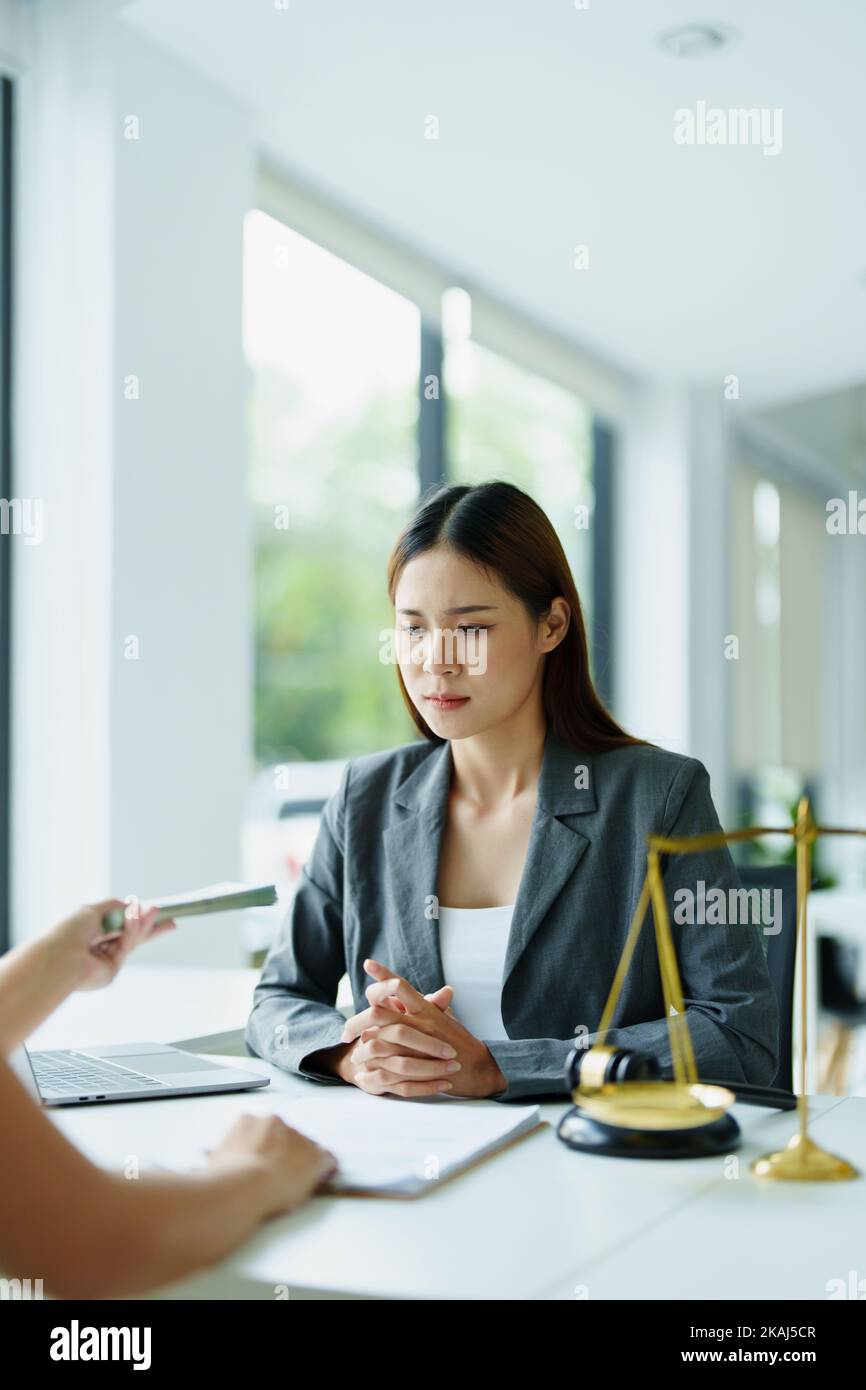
19,1061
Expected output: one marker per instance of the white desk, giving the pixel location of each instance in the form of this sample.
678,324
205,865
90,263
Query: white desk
743,1238
536,1220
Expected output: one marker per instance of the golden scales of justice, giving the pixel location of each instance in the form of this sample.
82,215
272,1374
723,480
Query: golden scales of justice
683,1117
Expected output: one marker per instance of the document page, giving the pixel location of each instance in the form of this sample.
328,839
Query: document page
385,1145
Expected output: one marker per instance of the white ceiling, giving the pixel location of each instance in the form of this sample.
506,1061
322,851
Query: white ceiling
556,128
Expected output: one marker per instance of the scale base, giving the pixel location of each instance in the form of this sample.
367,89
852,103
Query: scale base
801,1160
581,1131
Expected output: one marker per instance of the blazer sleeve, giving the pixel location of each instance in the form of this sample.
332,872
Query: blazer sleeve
729,998
294,1009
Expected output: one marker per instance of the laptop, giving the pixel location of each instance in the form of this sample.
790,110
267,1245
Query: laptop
125,1071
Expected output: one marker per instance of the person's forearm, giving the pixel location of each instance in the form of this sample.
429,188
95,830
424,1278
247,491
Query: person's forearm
154,1231
89,1233
34,978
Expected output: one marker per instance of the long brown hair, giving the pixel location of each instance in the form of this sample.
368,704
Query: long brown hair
503,530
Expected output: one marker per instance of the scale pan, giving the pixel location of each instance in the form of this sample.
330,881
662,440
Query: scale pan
656,1104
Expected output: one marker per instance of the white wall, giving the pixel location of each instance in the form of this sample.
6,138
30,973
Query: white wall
672,679
63,460
180,714
129,776
711,673
651,568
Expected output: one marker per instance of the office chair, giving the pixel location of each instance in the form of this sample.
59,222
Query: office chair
781,954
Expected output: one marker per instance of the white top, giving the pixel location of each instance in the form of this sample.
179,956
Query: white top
472,944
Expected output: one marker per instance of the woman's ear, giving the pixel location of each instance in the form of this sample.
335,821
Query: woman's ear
557,622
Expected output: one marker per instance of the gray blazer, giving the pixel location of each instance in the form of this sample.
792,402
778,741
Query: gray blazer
369,890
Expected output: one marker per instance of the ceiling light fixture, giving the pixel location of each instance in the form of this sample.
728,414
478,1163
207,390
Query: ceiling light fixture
696,40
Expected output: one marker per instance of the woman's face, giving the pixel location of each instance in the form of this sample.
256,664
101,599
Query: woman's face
460,633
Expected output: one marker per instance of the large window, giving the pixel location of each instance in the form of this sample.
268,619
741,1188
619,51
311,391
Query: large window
342,434
334,405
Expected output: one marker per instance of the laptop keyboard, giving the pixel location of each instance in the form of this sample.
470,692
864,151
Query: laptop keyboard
72,1073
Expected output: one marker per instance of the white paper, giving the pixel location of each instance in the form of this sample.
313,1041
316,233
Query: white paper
382,1143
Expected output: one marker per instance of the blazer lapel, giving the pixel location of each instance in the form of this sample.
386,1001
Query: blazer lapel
554,849
413,848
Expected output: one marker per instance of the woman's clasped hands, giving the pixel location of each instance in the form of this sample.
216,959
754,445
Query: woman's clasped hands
411,1044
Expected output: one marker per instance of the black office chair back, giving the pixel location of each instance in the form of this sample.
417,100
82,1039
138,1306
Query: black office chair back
781,953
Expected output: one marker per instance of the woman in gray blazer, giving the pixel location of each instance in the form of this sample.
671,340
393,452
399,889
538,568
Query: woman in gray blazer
477,885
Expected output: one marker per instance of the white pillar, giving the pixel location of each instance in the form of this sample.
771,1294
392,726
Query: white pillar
651,574
63,458
671,576
129,775
709,545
